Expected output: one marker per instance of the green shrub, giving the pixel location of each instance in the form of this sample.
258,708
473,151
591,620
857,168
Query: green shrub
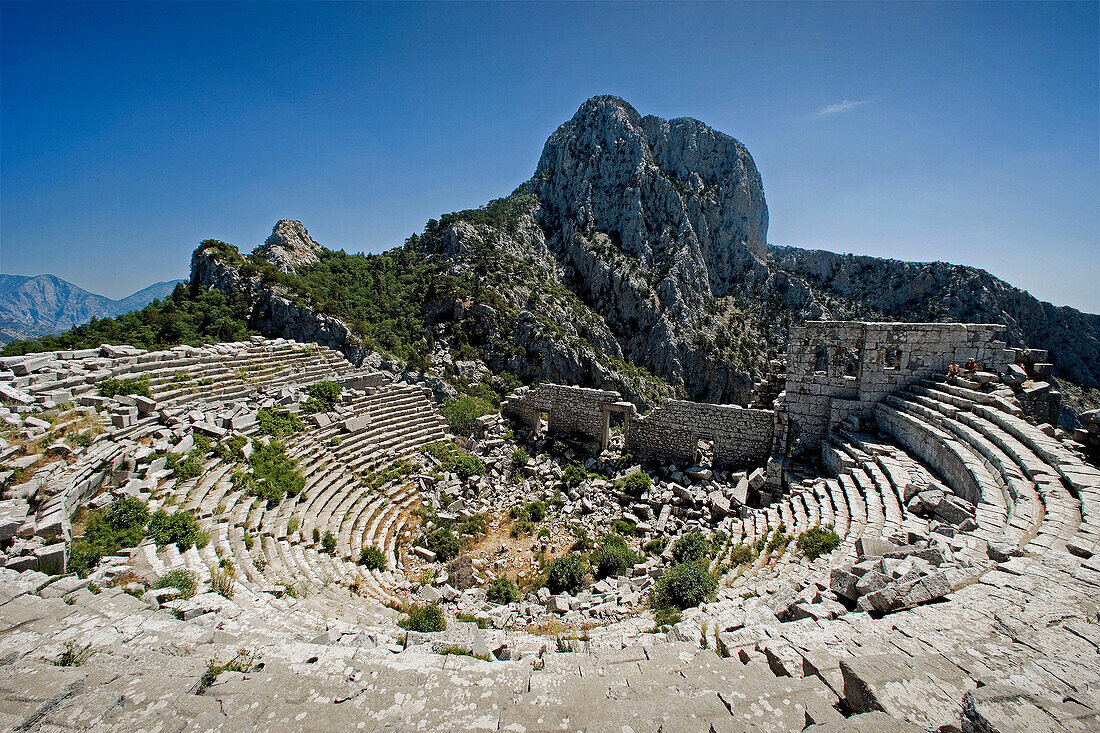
684,585
127,512
503,590
536,510
328,543
520,458
522,527
221,580
612,557
690,547
278,425
292,525
424,618
229,449
443,542
106,531
624,527
740,555
372,558
180,528
114,387
453,460
655,547
322,396
274,475
818,541
316,534
566,574
181,580
462,414
574,474
635,484
473,526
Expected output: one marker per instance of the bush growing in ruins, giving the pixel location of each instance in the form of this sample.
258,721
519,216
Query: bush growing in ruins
520,458
443,542
818,541
635,484
453,460
536,510
181,580
278,425
624,527
221,580
690,547
113,387
322,396
180,528
684,585
503,590
106,531
230,448
574,474
612,557
274,475
462,414
566,574
740,555
328,543
425,619
372,558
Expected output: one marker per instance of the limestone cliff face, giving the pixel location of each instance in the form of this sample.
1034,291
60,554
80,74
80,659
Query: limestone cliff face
289,246
650,219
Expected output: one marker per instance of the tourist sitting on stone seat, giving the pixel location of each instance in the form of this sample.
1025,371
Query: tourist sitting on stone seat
971,365
952,373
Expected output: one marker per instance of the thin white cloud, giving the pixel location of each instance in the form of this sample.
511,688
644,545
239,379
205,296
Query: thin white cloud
844,106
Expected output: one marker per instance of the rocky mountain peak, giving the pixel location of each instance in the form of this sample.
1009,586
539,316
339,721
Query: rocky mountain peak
289,246
677,195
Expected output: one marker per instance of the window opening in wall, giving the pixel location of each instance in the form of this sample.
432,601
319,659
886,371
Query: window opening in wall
892,358
821,360
851,362
704,452
542,422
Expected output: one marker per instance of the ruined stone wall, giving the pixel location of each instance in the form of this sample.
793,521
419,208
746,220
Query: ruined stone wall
571,409
670,433
841,368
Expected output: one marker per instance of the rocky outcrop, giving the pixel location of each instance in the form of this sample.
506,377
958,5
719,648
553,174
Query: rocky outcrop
858,286
274,311
289,246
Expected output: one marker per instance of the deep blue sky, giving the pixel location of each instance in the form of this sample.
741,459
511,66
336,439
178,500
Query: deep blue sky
965,132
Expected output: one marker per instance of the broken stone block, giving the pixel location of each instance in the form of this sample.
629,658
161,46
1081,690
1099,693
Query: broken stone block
871,582
873,547
953,510
356,424
843,583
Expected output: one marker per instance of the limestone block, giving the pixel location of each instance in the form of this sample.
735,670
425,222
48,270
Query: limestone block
356,424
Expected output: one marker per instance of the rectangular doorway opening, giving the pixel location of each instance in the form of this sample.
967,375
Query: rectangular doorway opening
542,422
704,452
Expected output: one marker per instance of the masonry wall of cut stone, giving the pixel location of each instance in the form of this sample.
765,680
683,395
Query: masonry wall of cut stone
572,410
670,433
840,368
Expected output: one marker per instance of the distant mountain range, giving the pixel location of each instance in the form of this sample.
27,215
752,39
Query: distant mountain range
33,306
